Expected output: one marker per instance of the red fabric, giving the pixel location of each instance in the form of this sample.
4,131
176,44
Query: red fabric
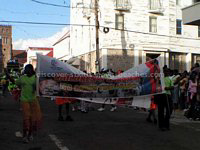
50,54
153,106
16,94
61,101
150,65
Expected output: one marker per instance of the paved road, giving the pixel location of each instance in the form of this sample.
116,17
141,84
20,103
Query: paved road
124,129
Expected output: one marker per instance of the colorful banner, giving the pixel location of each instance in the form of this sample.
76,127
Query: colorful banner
58,79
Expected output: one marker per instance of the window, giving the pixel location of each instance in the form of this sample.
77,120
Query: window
119,21
153,24
178,26
177,61
198,31
154,4
119,3
195,59
7,32
123,4
6,40
178,2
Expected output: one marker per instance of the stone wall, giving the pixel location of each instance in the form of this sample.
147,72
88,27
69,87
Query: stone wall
120,59
1,57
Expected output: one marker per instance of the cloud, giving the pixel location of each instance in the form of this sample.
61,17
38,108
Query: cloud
22,44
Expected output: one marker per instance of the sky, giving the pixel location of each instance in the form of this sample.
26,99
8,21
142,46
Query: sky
24,35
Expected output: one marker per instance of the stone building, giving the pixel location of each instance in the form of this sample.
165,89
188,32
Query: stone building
130,32
6,36
1,56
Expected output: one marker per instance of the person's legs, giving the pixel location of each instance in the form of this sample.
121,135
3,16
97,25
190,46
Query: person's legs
113,107
168,107
154,116
83,107
149,116
192,106
26,121
102,108
160,115
68,117
182,101
60,117
161,105
4,89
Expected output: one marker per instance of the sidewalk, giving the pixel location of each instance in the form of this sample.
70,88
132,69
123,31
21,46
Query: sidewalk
178,117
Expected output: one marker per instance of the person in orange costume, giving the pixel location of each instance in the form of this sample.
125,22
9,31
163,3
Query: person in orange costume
64,101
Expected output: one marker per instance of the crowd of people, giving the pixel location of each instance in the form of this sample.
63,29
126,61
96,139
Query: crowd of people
181,94
185,94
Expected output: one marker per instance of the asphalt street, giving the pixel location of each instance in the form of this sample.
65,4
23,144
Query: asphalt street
124,129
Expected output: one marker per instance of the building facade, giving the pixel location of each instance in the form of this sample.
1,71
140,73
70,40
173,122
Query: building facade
20,56
130,32
6,42
33,51
191,14
62,48
1,56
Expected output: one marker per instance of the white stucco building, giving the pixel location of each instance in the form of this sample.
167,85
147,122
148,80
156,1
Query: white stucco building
131,31
62,48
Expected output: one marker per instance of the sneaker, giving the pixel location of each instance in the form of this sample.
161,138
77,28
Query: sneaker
73,109
113,108
84,111
101,109
30,137
18,134
25,139
69,118
190,119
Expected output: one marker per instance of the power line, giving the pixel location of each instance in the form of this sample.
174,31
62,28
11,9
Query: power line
39,23
36,13
56,5
84,25
50,4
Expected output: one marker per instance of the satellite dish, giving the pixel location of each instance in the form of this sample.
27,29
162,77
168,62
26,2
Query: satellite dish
131,46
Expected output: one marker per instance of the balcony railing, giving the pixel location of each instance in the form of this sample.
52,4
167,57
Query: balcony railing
123,5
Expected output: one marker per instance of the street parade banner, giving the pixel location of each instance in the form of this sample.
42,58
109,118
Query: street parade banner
59,79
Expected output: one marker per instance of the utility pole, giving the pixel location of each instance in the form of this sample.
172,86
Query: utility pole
97,64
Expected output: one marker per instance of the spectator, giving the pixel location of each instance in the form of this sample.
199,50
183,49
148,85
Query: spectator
183,90
192,93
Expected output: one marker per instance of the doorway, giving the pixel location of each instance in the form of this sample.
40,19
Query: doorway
151,56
